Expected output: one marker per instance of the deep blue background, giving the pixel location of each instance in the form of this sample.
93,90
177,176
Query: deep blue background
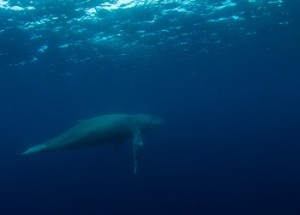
230,144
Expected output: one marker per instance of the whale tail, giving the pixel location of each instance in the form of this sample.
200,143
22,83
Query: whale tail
34,149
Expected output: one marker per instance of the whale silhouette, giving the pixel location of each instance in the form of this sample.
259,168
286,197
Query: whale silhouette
105,129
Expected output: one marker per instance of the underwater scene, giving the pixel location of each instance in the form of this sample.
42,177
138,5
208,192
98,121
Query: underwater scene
150,107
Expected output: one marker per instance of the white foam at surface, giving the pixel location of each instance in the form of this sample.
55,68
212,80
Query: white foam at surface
64,46
135,24
43,49
3,3
16,8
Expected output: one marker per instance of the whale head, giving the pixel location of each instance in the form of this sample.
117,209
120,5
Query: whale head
147,122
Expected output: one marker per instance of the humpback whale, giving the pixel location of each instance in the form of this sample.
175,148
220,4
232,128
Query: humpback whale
105,129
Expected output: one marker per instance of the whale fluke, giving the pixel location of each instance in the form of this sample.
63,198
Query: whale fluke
34,149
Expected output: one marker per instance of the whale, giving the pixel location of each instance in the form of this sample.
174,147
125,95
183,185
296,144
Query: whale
111,129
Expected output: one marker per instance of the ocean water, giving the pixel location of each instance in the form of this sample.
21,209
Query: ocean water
224,74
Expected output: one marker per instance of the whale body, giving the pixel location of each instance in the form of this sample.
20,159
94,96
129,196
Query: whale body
105,129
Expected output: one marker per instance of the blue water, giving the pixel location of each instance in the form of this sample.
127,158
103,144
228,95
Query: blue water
223,74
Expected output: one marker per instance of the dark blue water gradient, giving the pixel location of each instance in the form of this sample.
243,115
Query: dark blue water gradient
230,144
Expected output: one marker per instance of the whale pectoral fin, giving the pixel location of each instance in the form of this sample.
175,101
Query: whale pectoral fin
137,149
